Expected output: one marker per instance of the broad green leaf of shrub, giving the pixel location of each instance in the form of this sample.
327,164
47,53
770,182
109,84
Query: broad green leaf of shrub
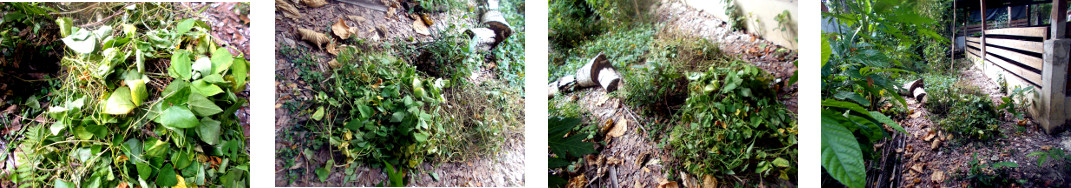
177,117
209,131
221,60
81,41
319,114
155,148
144,170
205,88
202,106
841,155
847,105
166,176
180,68
119,102
826,50
240,73
781,162
366,112
214,79
184,26
887,121
420,137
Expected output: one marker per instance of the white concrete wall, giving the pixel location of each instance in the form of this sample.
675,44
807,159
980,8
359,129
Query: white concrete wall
762,10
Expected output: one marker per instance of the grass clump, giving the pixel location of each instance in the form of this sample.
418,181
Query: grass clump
733,124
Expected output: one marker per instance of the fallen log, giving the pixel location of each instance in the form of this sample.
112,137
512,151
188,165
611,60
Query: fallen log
495,21
483,38
586,75
920,95
563,84
609,79
909,87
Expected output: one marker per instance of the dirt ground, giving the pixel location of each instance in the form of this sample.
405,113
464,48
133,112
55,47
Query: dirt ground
634,158
506,168
945,165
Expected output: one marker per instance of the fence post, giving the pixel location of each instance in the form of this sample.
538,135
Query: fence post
1054,70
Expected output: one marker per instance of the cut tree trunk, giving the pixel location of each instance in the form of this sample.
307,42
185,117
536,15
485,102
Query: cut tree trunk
483,37
909,87
586,75
609,79
495,21
920,95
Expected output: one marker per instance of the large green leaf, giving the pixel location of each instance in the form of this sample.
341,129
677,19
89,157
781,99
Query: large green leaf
65,24
136,82
205,88
209,131
568,146
184,26
177,117
323,172
202,106
240,73
119,102
180,65
166,176
887,121
221,60
826,50
841,155
81,41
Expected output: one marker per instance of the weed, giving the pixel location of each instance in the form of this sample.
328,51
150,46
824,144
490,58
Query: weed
565,148
734,125
996,174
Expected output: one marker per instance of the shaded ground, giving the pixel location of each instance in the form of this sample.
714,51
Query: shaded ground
636,159
505,168
946,165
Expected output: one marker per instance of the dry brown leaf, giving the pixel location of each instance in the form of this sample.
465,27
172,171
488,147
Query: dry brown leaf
382,30
577,182
687,180
917,167
668,184
935,144
340,29
334,63
314,3
332,48
592,160
427,20
916,157
314,37
709,181
929,136
288,9
938,176
619,128
420,28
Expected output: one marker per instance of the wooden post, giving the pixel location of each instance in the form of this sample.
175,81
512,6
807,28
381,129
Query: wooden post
952,57
1059,19
983,32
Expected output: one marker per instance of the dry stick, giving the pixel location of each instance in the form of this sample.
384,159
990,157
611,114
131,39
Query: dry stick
106,18
613,176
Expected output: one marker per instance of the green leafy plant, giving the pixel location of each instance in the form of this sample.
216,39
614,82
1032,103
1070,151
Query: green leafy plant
996,174
1050,155
565,148
734,125
100,132
736,15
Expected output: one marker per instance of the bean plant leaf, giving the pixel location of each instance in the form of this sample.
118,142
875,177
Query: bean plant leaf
177,117
240,73
221,60
841,155
180,65
81,41
166,176
119,102
59,183
203,65
138,93
65,24
205,88
202,106
209,131
319,114
184,26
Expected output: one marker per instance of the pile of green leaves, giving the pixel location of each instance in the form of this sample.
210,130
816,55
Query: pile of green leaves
389,112
565,147
733,124
973,117
108,129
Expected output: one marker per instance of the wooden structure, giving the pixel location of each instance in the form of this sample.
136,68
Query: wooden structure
1024,55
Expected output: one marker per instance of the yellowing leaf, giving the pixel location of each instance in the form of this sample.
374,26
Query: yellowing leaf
319,114
181,182
119,102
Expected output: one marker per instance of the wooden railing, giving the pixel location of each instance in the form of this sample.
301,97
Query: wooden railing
1017,51
1014,23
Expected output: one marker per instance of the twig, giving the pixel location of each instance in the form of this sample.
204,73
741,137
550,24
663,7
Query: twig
121,10
613,176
